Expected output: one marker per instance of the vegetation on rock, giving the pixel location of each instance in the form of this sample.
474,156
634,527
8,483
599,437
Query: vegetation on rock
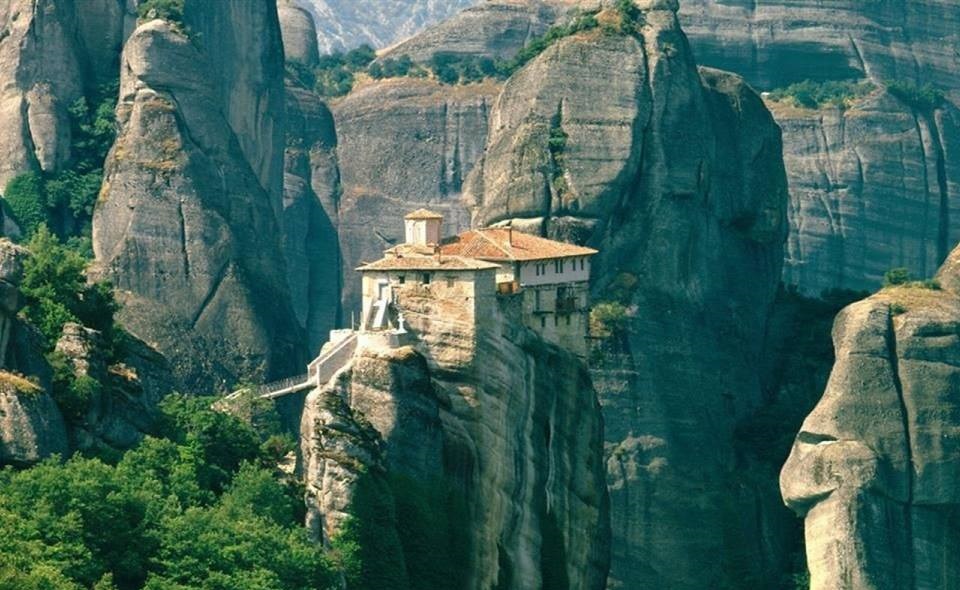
170,10
814,95
924,98
901,277
64,200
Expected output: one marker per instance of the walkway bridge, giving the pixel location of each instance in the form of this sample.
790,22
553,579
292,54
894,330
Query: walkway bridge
321,370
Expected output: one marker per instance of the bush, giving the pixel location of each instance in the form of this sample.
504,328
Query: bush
813,95
170,10
923,98
56,290
609,319
896,276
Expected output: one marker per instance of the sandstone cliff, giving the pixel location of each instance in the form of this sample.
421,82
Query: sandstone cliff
676,177
51,54
187,224
873,470
498,432
872,188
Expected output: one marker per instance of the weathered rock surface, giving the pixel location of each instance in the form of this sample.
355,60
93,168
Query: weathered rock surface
510,422
776,43
874,468
676,177
299,33
345,24
31,426
40,76
311,200
872,188
187,222
403,144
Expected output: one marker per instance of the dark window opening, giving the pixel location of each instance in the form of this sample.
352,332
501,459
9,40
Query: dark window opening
402,279
426,278
543,321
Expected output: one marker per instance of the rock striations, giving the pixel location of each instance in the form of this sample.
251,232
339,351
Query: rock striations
507,422
187,224
874,468
875,186
675,175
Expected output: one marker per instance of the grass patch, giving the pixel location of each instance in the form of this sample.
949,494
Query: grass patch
19,383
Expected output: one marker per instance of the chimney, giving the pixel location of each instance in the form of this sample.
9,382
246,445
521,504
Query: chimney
510,235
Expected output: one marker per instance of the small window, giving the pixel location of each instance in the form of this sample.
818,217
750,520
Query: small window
568,319
536,269
401,279
426,278
543,321
556,320
556,266
583,263
450,282
536,300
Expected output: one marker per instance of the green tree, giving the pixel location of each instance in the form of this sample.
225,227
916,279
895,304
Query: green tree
27,198
56,289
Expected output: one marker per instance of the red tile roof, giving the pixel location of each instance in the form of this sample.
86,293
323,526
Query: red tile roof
498,244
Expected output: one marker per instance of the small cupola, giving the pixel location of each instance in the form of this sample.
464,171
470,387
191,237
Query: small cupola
422,227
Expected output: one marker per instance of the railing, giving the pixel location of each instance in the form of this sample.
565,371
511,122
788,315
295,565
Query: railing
319,372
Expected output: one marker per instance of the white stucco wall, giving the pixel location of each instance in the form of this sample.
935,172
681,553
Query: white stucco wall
572,271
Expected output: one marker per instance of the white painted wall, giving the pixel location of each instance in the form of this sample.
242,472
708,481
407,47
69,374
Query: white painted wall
572,271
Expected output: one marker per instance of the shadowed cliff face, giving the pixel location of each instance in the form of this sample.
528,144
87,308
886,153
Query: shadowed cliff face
675,175
873,470
877,186
187,221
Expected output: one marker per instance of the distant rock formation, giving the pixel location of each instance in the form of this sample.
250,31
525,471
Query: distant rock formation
346,24
874,468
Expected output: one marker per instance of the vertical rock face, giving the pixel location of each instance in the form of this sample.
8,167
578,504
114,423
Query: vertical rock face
311,200
187,221
776,43
50,53
403,144
676,177
513,427
874,187
873,470
40,77
299,33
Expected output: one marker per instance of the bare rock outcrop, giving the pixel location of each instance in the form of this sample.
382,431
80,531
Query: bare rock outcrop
299,33
676,176
187,224
874,468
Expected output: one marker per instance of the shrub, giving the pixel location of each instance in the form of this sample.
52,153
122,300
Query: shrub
923,98
171,10
813,95
609,319
896,276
